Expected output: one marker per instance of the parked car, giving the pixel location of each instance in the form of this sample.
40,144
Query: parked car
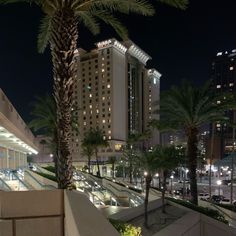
217,198
204,196
225,201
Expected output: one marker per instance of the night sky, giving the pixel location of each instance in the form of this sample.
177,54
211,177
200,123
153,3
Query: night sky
181,44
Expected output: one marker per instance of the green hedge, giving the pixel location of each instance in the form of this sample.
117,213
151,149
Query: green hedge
51,177
228,207
125,229
50,168
204,210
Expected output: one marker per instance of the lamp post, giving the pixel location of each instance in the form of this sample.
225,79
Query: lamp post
219,182
171,184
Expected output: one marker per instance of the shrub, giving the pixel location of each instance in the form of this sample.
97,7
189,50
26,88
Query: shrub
204,210
228,207
51,177
125,229
50,168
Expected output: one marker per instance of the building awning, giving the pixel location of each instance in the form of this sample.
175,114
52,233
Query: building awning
10,141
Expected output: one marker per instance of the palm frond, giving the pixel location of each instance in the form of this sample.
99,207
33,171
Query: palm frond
89,21
112,21
181,4
15,1
44,33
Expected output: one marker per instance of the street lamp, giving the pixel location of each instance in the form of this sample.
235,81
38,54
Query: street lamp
219,182
171,179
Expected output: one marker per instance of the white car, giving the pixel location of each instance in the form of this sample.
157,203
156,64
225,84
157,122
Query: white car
225,201
203,196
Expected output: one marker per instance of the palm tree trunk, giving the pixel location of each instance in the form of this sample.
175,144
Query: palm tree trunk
148,182
96,154
192,157
163,192
131,172
63,43
89,163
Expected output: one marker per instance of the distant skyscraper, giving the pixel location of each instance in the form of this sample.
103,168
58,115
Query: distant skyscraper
115,93
223,74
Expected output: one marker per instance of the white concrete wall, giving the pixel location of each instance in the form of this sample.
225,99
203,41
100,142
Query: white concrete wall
83,219
31,213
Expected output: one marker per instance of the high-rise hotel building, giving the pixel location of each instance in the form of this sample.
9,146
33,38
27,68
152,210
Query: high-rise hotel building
223,74
114,92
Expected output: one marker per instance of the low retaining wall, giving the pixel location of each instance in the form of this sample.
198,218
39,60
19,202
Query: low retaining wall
131,213
195,224
30,213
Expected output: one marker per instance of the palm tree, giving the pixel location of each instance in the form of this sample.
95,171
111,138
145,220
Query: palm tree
59,28
44,121
148,162
112,160
87,150
95,139
188,108
167,159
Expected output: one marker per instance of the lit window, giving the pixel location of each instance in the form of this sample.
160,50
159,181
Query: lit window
104,137
103,121
150,108
91,112
231,84
103,58
90,106
231,68
109,131
109,137
218,86
103,70
217,125
118,147
97,111
109,109
90,95
103,64
84,112
218,102
108,86
103,98
84,122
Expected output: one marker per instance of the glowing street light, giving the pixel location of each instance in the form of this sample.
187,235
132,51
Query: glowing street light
219,182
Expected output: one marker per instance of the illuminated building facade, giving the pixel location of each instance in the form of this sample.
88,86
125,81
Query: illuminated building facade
114,92
16,140
223,75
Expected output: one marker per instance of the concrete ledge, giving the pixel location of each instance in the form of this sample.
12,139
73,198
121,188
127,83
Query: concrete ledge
82,218
130,213
45,226
31,203
179,227
6,228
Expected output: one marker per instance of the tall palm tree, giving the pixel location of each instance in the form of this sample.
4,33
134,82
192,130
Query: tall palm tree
87,150
148,162
167,159
95,139
112,160
59,28
188,108
44,121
